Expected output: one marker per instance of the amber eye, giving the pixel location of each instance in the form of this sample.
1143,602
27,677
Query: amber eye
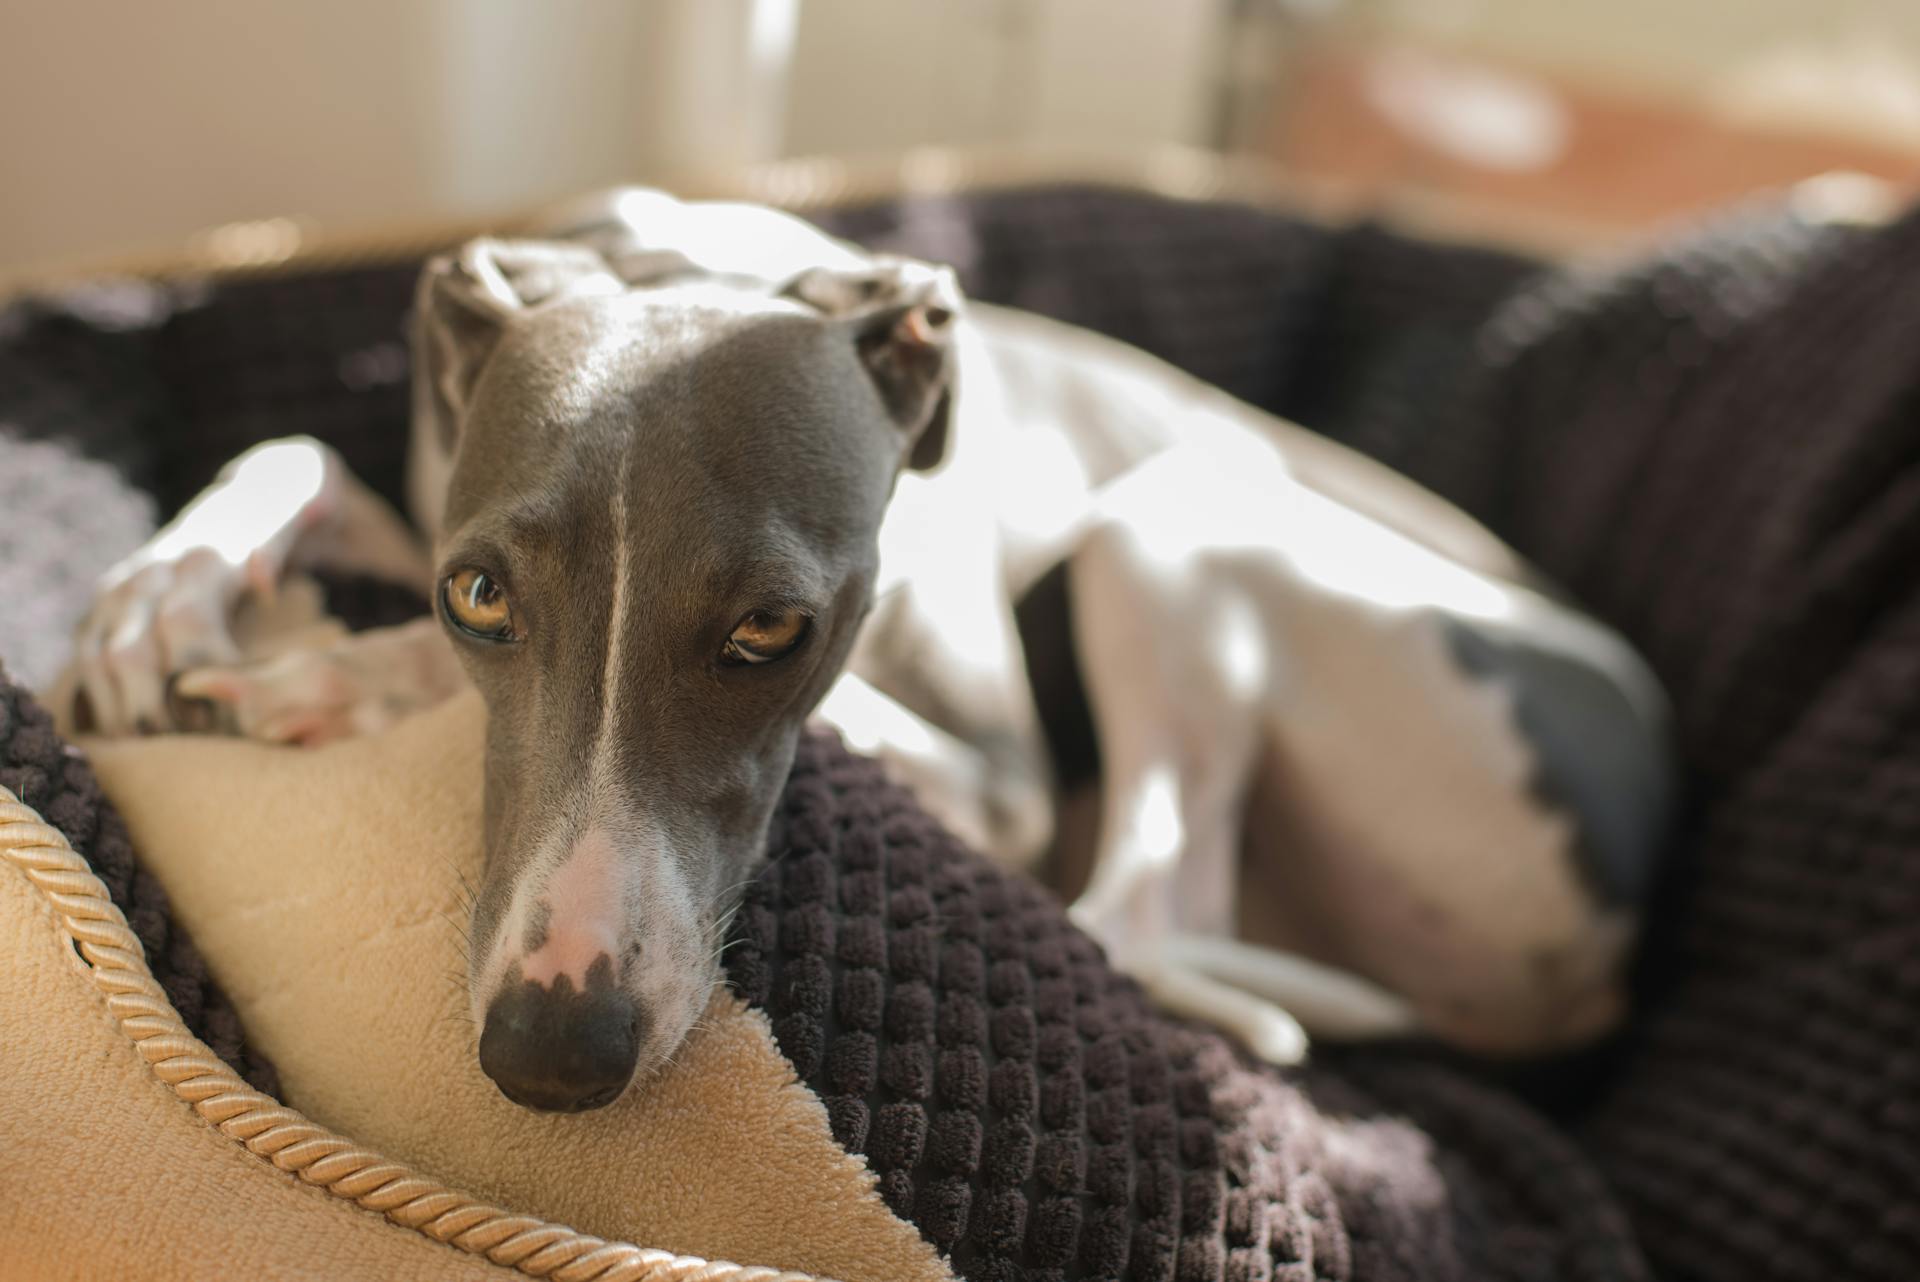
478,606
766,635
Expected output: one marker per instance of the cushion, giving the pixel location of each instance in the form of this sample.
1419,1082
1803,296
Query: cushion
1717,446
1711,444
1007,1095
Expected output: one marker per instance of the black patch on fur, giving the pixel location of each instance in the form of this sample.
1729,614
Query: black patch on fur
1596,758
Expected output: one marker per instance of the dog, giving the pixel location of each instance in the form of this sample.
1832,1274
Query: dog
684,476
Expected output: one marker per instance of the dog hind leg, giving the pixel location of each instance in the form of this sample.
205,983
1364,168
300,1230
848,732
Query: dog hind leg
1164,651
990,807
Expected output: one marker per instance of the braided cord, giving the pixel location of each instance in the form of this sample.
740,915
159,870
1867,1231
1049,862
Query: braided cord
279,1135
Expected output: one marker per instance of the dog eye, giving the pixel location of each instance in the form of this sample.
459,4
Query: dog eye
478,606
766,635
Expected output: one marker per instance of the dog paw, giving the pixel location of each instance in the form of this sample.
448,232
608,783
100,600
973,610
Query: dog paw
305,697
155,616
1264,1028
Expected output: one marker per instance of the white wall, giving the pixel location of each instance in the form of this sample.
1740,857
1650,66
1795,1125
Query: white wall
130,125
876,75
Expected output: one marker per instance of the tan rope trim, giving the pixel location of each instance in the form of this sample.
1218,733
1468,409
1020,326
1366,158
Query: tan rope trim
279,1135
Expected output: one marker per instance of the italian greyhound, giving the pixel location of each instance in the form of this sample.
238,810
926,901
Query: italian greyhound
685,475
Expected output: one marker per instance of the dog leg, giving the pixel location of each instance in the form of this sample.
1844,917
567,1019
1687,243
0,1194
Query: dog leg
168,607
1330,1001
359,685
1166,859
963,730
1172,673
1174,664
956,784
1268,1030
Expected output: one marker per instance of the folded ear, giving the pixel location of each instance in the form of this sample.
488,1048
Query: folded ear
465,301
900,317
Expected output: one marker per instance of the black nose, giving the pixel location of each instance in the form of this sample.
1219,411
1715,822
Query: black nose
560,1050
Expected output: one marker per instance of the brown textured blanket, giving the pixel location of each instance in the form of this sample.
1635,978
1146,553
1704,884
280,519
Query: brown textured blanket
1717,447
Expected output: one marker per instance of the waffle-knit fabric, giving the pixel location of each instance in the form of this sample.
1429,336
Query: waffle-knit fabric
1719,449
1027,1108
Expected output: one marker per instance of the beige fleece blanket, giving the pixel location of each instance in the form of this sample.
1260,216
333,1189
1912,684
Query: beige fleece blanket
107,1174
324,889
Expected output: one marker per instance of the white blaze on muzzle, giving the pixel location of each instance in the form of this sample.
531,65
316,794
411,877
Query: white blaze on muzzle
615,891
583,916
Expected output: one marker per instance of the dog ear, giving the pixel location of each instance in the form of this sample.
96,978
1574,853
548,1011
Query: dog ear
900,315
465,301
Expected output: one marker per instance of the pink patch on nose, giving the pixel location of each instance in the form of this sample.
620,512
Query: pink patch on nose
583,915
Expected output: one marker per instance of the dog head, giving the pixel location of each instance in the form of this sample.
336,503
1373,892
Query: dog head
657,539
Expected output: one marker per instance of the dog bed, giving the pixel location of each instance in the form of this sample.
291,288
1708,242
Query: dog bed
1711,446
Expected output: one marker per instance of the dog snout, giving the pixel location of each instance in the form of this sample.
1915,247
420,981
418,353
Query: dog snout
561,1050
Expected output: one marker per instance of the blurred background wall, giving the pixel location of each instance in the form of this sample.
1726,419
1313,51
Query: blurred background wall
135,126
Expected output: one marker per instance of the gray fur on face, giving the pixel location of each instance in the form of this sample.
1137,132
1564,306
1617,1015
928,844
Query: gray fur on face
639,470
